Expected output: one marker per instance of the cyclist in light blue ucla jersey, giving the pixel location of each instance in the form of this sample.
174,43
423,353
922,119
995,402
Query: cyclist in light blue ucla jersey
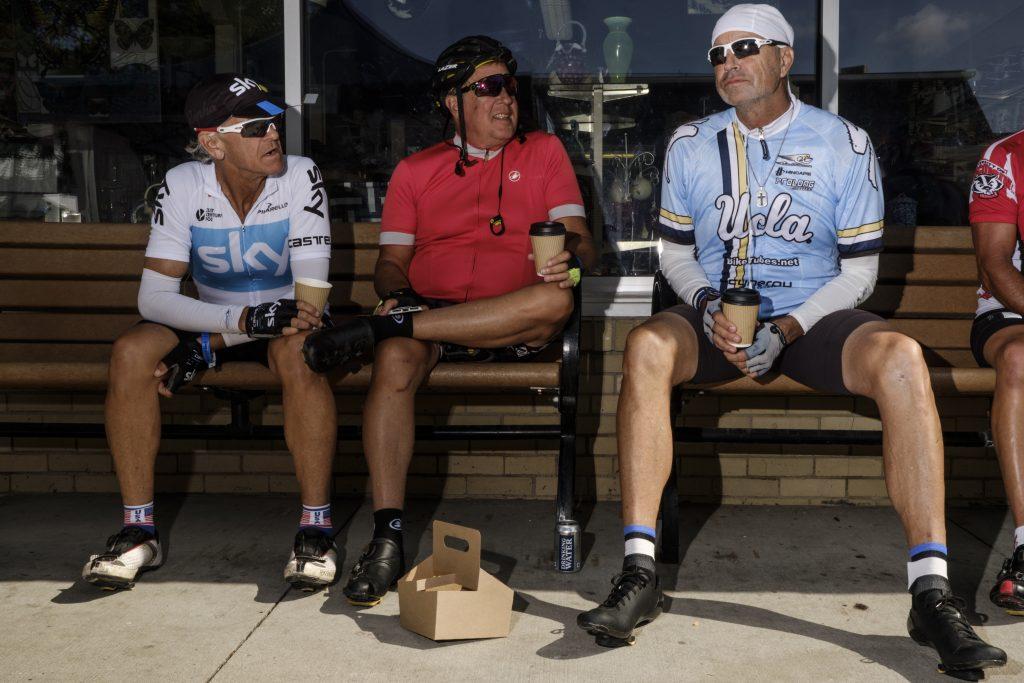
782,199
246,220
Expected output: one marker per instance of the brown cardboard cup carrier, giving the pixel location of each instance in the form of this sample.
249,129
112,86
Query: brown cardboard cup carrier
448,596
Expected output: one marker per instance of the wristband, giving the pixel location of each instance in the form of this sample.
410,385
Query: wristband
208,355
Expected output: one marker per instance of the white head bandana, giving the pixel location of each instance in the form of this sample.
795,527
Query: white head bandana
763,20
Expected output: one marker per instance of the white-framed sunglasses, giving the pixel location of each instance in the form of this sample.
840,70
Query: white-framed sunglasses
742,48
250,128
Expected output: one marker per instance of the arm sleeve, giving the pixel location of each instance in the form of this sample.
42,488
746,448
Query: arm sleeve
849,289
170,236
161,301
860,207
675,221
562,191
309,232
682,270
993,197
398,221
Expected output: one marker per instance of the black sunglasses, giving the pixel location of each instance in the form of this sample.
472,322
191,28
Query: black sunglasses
491,86
742,48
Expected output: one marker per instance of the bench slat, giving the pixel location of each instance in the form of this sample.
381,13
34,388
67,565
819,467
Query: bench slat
127,263
932,268
136,235
123,294
945,382
460,376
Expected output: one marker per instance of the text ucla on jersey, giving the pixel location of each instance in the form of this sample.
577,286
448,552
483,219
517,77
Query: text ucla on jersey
824,203
241,263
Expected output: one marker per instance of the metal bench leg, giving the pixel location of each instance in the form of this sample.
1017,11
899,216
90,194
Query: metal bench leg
670,497
568,535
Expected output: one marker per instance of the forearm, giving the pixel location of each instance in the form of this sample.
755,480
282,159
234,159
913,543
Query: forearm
1006,283
160,301
584,249
388,277
853,285
680,266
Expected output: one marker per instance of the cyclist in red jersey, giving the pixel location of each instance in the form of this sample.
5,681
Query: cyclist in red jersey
997,336
455,243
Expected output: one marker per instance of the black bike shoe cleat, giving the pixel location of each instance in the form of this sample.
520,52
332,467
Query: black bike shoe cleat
1008,593
378,569
326,349
635,600
937,620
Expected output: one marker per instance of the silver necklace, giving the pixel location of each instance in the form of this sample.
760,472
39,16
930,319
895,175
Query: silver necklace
761,197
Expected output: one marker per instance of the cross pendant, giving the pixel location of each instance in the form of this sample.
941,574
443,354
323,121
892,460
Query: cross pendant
761,197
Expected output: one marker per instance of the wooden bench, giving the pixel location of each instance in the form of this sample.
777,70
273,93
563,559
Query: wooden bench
926,288
68,290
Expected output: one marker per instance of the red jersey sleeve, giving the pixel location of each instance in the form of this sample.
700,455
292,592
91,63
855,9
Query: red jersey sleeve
398,221
993,196
562,192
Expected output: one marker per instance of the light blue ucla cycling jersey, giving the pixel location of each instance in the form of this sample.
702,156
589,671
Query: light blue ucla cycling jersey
241,262
775,215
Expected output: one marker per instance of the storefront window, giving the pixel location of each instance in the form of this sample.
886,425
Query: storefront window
369,65
934,82
92,95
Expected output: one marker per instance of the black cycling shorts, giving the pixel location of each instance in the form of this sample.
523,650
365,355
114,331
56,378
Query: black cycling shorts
987,324
814,360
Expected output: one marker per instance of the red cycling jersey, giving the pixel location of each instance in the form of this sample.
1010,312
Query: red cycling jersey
447,217
996,197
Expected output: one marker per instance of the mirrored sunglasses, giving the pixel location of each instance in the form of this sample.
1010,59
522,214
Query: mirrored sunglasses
742,48
491,86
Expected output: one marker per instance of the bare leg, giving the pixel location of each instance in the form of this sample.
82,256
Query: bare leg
310,418
887,366
133,408
660,353
389,423
531,315
1005,352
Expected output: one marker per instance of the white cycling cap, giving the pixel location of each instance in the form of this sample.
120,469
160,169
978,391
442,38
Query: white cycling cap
762,20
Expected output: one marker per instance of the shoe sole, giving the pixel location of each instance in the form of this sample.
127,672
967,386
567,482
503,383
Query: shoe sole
1011,605
962,667
307,585
603,631
114,583
365,600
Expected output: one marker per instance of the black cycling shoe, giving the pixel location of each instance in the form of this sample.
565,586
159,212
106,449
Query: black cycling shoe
326,349
378,569
635,600
1008,593
937,620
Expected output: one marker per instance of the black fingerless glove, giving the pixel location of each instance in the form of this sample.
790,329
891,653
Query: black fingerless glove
183,363
267,321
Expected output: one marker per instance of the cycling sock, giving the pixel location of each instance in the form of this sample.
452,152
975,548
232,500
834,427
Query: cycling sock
140,516
926,559
387,523
1018,537
388,326
639,544
316,517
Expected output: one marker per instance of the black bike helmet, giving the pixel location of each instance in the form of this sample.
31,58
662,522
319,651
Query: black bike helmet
457,63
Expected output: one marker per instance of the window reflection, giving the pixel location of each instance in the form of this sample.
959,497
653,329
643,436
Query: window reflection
934,82
92,92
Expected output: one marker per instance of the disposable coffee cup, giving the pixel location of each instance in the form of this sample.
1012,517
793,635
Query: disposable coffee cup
740,305
548,240
313,292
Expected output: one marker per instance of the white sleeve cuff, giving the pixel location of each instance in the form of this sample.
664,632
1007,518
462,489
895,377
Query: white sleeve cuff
849,289
682,270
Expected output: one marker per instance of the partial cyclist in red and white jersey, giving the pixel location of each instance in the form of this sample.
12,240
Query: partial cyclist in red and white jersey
245,220
997,336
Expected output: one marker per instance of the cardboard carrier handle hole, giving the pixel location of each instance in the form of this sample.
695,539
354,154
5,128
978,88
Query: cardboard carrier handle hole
456,543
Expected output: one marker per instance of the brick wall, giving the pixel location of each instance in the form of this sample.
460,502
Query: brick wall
749,474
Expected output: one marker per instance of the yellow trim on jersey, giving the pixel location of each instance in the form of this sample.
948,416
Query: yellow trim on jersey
861,230
741,176
676,218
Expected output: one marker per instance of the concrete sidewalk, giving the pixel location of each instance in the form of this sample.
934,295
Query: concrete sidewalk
763,594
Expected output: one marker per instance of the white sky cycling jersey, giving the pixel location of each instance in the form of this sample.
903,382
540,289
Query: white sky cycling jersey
824,201
237,263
